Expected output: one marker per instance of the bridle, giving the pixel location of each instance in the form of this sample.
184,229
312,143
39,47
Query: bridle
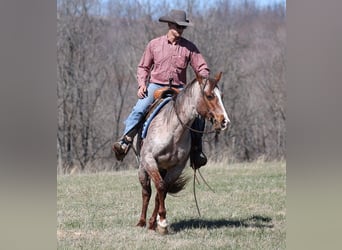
188,127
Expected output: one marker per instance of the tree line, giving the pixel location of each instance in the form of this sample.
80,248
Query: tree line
99,45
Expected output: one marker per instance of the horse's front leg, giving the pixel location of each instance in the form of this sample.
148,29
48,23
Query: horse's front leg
162,222
153,219
157,177
146,195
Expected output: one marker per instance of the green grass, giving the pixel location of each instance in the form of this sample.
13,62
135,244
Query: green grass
247,210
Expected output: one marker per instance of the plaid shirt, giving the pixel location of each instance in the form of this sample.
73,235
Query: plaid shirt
167,60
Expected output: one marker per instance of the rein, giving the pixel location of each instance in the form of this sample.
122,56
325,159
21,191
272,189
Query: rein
195,178
192,129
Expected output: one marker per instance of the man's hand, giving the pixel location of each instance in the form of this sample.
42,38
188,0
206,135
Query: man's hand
142,92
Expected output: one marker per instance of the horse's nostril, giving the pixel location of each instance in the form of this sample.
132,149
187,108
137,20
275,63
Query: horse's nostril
225,123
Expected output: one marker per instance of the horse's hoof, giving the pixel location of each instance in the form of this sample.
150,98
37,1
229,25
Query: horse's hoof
162,227
162,230
141,224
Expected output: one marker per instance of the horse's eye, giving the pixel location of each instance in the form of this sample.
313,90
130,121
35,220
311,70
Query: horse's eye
210,97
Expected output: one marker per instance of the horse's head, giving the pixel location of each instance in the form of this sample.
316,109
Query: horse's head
211,105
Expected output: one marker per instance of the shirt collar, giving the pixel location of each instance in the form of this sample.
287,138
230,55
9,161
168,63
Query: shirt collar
177,42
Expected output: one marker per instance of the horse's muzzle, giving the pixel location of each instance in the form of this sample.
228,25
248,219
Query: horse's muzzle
221,124
225,124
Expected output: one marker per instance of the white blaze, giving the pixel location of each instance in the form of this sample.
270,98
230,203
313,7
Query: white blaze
218,94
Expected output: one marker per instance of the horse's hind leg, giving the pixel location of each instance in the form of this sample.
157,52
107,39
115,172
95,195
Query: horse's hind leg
146,195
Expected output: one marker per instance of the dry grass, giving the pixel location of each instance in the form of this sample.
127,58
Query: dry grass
247,210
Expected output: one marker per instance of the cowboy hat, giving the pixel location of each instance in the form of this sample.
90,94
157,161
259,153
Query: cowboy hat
177,17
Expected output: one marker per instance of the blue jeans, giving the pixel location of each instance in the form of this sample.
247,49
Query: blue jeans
140,108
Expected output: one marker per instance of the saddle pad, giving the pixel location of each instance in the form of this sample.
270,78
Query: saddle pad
153,114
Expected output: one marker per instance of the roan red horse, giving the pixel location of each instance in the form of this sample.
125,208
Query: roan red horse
166,148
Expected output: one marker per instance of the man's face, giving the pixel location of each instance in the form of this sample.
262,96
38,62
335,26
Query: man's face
177,30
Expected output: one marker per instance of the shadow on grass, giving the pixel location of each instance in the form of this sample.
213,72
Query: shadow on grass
256,221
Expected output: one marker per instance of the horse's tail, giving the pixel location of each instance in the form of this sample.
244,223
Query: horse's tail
179,184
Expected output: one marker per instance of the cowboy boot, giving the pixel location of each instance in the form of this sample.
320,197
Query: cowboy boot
122,146
197,157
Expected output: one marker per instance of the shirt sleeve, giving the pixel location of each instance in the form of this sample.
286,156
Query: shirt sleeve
198,63
144,66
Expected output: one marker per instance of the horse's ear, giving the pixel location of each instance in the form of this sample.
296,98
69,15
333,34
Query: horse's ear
218,76
199,77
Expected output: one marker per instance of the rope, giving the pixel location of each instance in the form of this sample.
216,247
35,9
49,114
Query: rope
205,182
199,213
194,188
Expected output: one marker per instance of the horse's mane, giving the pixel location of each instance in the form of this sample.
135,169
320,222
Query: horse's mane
193,81
187,87
170,106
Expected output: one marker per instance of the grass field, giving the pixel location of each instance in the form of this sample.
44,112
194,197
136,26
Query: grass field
246,211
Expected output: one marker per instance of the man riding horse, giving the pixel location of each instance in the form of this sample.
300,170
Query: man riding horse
165,57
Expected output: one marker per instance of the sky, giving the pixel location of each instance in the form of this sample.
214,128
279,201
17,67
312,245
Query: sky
269,2
258,2
200,3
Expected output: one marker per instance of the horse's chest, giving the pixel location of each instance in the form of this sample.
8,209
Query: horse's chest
167,149
171,158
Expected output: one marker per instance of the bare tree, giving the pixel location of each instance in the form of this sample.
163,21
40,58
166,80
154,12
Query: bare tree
99,47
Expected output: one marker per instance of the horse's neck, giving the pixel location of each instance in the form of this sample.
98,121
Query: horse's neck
186,102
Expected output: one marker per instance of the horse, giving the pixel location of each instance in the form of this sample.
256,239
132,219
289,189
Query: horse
166,147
